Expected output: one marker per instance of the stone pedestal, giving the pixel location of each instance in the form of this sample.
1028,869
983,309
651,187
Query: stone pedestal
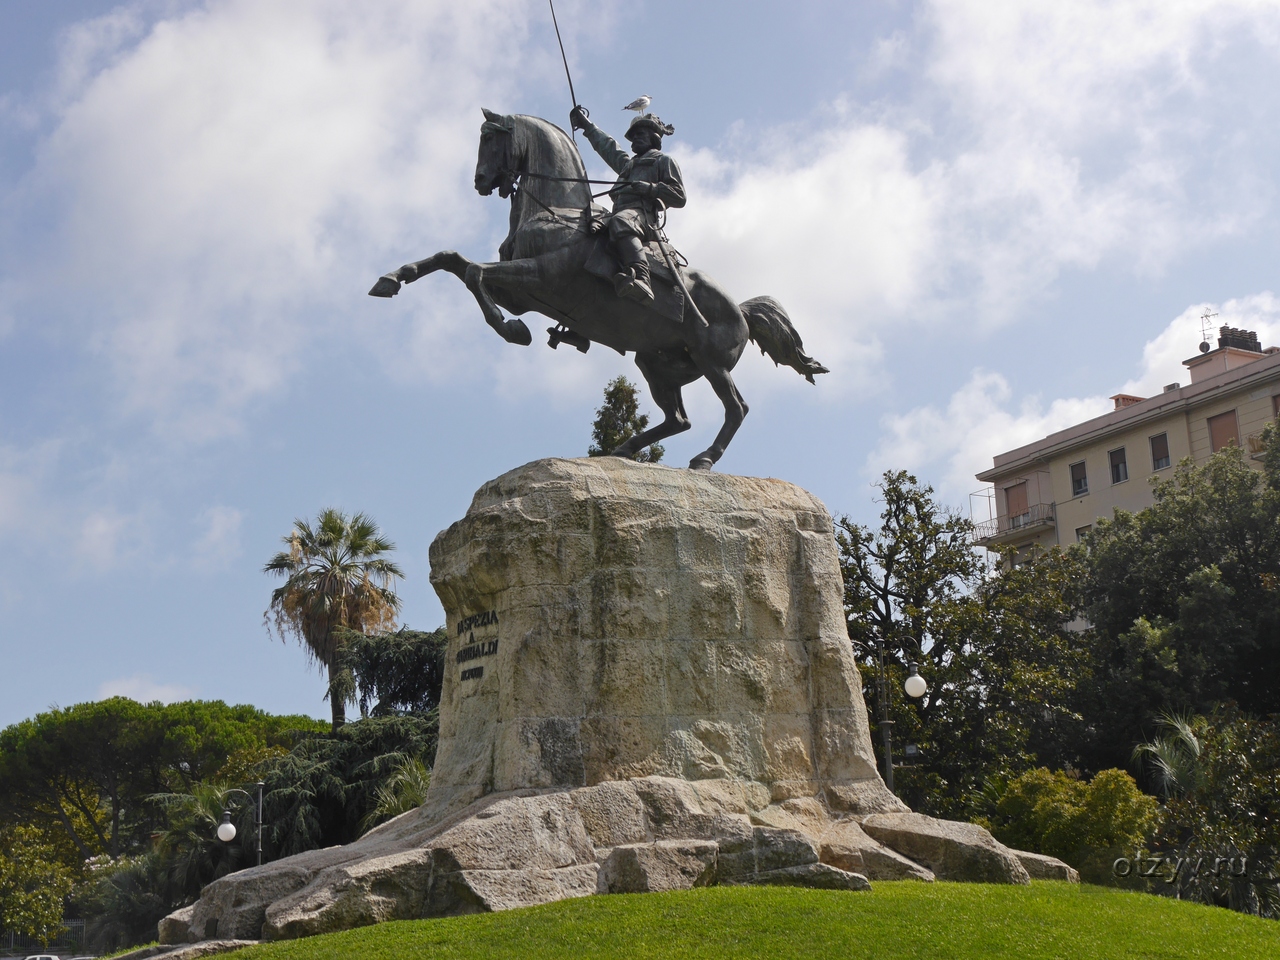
649,686
614,620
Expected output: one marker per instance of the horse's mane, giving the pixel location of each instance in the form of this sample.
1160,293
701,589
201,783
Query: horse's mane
549,149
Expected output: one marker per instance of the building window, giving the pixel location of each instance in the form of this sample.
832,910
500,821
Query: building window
1015,499
1223,430
1082,532
1160,451
1119,466
1079,480
1275,405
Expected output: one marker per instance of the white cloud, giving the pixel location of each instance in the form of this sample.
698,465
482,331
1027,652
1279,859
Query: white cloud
108,537
22,474
836,228
1047,138
145,689
950,444
229,179
1085,123
1162,357
233,175
232,179
219,542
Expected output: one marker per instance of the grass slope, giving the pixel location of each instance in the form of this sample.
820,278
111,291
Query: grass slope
959,921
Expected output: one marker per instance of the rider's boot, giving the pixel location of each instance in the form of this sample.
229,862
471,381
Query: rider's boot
633,281
639,288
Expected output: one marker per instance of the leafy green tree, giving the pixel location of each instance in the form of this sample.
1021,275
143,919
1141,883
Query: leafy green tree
1222,775
391,673
123,900
84,775
1086,823
1184,598
33,884
618,420
86,766
993,647
336,576
318,794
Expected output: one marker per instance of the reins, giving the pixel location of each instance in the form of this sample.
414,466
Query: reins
543,176
603,193
662,211
557,216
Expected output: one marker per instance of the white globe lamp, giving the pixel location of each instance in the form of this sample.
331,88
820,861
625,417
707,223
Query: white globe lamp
915,685
226,829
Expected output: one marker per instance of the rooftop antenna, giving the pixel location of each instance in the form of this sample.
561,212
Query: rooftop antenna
1204,330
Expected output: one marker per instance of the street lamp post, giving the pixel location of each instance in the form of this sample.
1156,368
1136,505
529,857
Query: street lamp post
227,829
914,686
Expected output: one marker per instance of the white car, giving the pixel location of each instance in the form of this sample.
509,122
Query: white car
42,956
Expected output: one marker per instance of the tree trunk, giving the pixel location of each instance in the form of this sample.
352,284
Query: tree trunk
336,703
85,852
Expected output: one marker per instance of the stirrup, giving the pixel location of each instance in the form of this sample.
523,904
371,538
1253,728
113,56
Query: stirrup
621,281
638,291
562,334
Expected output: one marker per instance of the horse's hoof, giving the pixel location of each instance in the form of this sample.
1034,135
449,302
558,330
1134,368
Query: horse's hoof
514,331
701,463
387,286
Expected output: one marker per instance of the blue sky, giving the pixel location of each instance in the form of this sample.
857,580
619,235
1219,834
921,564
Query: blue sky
984,218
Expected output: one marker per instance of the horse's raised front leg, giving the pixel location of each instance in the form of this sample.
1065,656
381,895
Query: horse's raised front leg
735,410
665,391
473,275
388,284
510,273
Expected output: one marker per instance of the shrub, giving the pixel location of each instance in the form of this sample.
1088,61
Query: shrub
1087,824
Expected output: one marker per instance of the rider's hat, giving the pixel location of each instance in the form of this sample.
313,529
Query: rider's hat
652,124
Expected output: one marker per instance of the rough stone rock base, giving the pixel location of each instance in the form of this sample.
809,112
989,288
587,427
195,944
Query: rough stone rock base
634,836
1040,867
953,851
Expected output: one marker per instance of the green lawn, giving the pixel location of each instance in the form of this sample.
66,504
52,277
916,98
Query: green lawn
894,920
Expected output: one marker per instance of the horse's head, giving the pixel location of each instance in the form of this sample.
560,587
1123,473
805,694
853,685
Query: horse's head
496,166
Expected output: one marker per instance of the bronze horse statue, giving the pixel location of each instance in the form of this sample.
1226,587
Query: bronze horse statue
543,267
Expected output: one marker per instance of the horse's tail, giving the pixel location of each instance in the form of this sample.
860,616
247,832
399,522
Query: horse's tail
770,329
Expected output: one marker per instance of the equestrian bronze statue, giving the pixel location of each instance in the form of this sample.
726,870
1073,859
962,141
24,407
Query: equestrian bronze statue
610,276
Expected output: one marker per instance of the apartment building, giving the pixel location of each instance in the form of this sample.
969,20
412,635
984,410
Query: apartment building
1053,491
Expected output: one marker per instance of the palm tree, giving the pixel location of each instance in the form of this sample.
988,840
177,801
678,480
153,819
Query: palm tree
336,578
1176,757
189,848
404,790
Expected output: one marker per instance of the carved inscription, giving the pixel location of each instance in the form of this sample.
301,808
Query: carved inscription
486,619
485,648
474,649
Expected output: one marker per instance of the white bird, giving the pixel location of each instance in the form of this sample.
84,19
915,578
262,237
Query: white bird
639,104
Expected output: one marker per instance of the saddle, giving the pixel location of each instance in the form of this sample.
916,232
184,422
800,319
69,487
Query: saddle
668,296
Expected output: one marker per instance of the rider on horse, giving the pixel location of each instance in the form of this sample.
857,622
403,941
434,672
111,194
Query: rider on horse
646,179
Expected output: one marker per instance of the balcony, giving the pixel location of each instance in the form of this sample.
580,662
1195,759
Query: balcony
1005,531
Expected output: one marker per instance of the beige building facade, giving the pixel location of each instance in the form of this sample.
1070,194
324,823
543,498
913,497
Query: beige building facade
1051,492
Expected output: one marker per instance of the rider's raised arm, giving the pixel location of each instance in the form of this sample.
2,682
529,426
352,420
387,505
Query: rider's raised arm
606,146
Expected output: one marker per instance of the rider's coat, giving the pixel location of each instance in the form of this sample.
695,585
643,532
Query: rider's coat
635,211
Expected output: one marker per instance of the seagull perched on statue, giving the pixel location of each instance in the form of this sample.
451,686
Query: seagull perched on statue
639,104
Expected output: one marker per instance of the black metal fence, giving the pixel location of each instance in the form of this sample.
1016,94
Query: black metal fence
70,941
